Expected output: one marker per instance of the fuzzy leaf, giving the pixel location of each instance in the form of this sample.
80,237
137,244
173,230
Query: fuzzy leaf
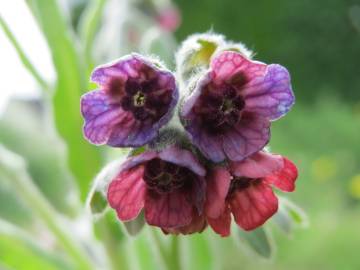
258,240
84,159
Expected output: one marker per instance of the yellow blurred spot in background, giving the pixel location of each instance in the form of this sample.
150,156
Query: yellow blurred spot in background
324,168
354,186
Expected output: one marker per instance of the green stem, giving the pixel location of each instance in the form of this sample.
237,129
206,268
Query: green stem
163,255
175,260
114,249
29,192
169,258
23,57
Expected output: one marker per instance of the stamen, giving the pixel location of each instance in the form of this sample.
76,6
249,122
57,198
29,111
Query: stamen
139,99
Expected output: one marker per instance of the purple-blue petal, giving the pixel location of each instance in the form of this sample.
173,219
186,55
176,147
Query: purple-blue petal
172,154
270,95
123,129
183,158
100,116
249,136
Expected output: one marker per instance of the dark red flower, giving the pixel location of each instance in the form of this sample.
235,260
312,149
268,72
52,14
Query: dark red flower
244,189
168,184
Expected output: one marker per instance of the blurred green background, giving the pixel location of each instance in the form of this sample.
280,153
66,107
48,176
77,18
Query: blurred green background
318,41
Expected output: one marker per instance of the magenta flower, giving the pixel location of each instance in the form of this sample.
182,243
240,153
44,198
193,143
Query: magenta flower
168,184
229,112
168,18
245,190
135,98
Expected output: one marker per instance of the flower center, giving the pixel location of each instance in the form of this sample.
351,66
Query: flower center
145,100
164,177
219,111
240,183
139,99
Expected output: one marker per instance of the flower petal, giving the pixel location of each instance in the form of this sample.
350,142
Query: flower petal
138,159
229,63
285,178
253,206
168,210
123,68
218,183
198,194
258,165
209,145
250,135
131,133
270,95
221,225
100,116
182,158
126,193
198,224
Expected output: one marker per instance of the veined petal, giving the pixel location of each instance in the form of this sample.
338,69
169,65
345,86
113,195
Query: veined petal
131,133
198,194
258,165
253,206
123,68
198,224
182,158
168,210
126,193
229,63
209,145
100,116
270,95
250,135
284,178
218,183
221,225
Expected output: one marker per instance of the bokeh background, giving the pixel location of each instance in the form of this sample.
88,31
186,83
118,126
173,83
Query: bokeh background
318,41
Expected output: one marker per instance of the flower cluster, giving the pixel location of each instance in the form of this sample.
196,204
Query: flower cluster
214,165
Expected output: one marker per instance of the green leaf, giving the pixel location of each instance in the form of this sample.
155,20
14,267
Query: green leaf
84,159
23,122
13,170
96,202
135,226
16,243
297,215
284,221
89,23
258,240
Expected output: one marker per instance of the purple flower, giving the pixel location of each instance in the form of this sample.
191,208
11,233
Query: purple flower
135,98
229,112
168,184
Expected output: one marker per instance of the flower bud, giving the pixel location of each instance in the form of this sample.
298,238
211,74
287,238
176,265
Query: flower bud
195,54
